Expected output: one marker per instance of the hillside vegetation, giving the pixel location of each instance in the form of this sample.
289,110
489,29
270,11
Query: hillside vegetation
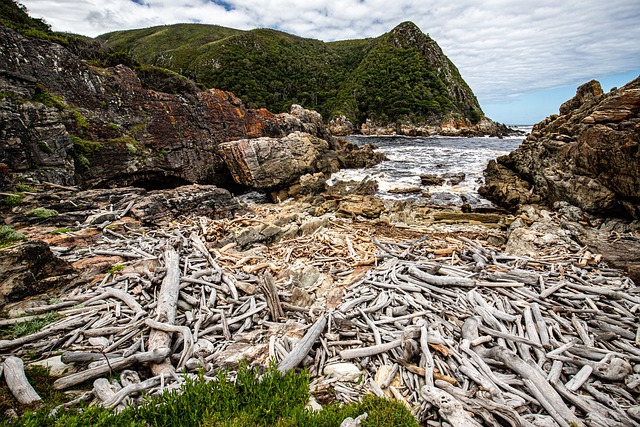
401,76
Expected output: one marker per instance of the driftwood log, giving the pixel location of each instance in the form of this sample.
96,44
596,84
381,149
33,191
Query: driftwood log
17,382
166,310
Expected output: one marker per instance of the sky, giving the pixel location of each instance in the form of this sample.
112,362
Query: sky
522,59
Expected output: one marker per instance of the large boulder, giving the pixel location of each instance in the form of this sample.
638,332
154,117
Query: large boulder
30,268
272,163
587,156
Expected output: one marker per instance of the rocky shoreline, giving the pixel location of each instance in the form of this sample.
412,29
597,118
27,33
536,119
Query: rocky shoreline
341,126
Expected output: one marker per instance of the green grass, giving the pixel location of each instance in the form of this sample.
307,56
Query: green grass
273,400
14,199
18,330
9,236
84,145
43,213
116,268
62,230
44,146
26,188
41,381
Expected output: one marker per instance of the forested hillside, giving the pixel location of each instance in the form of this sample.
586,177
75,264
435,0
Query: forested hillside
401,76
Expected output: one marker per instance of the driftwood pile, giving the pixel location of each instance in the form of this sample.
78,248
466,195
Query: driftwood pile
459,332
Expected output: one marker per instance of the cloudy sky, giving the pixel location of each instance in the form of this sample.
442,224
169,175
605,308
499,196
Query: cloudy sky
522,59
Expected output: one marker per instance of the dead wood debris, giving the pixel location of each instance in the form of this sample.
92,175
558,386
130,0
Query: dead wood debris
458,331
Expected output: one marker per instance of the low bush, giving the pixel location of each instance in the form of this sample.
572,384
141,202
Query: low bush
255,398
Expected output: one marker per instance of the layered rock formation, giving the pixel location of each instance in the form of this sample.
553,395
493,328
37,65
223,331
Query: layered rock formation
588,156
65,121
30,268
271,163
585,163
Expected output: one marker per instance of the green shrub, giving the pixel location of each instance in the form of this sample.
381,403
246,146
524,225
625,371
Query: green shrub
272,400
42,213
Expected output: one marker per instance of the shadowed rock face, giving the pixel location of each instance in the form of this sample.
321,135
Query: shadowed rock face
587,156
30,268
65,121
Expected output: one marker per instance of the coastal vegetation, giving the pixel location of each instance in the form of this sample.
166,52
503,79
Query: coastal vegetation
401,76
251,398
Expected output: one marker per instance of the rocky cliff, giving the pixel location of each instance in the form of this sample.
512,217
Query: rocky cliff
587,156
65,121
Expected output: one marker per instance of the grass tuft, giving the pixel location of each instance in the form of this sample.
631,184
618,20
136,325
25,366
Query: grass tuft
21,329
9,236
43,213
116,268
14,199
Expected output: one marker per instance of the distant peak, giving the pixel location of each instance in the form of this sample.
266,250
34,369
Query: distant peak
406,26
408,34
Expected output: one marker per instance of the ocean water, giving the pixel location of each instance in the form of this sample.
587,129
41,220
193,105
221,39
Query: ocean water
410,157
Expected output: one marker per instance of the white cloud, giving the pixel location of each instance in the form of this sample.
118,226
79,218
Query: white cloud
502,47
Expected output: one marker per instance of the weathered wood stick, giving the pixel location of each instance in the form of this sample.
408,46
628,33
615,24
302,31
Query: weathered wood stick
549,406
17,381
86,357
166,309
441,280
122,254
537,384
268,287
187,352
7,344
448,406
428,357
304,346
369,351
154,356
129,390
122,296
102,389
580,378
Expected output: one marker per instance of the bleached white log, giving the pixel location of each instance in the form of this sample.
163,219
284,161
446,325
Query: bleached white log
154,356
17,381
303,347
166,309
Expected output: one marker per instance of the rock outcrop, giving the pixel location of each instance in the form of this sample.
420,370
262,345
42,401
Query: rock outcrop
587,156
68,122
458,128
30,268
273,163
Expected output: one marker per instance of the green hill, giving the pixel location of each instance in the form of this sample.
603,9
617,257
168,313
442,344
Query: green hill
401,76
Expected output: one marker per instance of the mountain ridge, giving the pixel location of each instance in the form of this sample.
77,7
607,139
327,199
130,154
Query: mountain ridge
399,77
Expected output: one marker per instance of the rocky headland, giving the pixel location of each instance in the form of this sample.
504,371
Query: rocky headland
583,164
